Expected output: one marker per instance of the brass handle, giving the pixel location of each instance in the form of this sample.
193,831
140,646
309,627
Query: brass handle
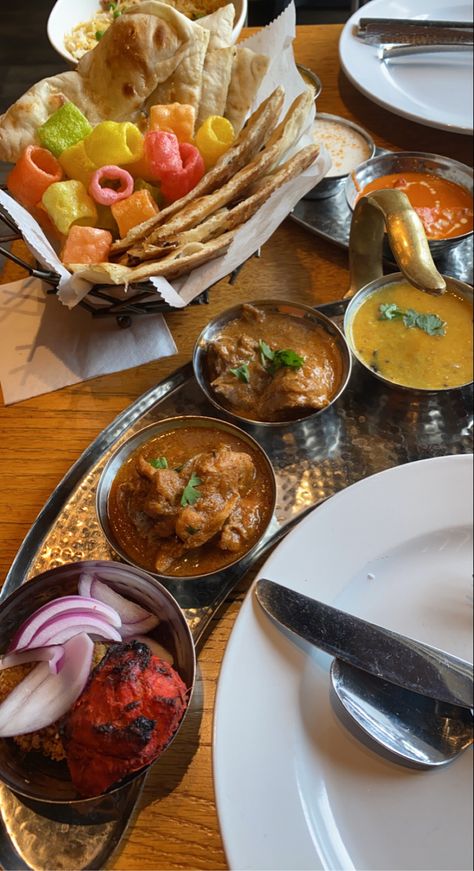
390,210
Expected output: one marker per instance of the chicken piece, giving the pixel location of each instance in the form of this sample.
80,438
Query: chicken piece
251,313
240,526
164,494
311,386
240,394
227,352
225,476
126,716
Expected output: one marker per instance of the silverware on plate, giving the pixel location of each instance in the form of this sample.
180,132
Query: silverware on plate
380,31
414,700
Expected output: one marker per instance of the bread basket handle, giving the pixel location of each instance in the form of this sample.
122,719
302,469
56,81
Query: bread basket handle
390,210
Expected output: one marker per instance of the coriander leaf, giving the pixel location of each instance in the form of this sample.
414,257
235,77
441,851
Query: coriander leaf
190,493
429,323
389,311
241,372
266,352
287,357
159,463
191,530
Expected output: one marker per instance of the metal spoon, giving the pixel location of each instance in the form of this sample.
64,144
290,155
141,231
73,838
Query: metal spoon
417,729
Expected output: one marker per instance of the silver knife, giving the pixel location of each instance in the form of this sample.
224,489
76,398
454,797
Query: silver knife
395,658
379,31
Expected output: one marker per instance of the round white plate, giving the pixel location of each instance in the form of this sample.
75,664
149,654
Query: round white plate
295,789
435,89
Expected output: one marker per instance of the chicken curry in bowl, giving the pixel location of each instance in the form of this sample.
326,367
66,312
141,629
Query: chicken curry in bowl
272,363
186,497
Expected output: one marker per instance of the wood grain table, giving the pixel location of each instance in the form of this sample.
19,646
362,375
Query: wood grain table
176,825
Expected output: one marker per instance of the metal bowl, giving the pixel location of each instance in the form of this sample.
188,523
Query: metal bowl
462,289
331,184
36,778
290,310
121,456
412,161
310,78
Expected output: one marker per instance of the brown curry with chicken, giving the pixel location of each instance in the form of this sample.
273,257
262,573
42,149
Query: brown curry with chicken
190,501
269,366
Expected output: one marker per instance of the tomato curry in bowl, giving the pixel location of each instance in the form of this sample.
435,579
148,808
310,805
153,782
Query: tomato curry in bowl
186,497
272,363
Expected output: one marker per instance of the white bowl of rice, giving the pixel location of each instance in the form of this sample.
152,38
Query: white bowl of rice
75,28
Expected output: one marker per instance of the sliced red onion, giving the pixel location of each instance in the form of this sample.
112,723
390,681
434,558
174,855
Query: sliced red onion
59,607
129,611
84,584
127,630
53,654
41,697
72,623
155,647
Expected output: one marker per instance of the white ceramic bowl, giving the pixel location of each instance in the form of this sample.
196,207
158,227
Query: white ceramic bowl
66,14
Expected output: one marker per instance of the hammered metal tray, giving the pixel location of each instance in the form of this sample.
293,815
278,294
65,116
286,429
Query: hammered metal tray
331,218
370,428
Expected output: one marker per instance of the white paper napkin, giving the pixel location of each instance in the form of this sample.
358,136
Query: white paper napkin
44,346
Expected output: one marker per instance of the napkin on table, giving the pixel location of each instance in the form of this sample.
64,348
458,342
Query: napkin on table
45,346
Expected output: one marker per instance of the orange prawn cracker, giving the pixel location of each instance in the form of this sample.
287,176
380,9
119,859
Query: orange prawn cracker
86,245
178,118
136,209
34,172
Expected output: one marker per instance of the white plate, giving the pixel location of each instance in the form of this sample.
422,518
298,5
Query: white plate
434,89
294,788
65,14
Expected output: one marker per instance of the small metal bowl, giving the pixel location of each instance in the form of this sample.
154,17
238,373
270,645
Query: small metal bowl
290,310
332,183
462,289
412,161
310,78
125,450
36,778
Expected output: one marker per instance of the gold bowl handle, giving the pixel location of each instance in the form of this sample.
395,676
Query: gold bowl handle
390,210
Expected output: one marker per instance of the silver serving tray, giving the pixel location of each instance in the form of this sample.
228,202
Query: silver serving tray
331,218
370,428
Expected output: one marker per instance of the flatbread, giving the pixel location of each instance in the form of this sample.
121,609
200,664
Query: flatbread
136,55
215,82
219,24
179,262
248,70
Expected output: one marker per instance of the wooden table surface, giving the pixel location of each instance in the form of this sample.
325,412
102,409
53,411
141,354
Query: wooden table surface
176,825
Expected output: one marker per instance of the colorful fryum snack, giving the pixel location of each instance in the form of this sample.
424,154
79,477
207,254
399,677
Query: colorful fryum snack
34,172
124,719
63,128
214,138
68,203
137,208
177,118
86,245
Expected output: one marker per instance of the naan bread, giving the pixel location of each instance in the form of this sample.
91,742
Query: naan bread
137,54
20,122
215,83
219,24
248,70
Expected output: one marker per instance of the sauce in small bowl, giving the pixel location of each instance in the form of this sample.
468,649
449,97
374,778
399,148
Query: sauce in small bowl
348,146
408,338
439,189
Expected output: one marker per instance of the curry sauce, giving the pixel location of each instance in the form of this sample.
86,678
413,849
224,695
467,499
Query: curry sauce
190,501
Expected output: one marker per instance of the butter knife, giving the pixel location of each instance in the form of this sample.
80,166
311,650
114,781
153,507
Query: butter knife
385,654
380,31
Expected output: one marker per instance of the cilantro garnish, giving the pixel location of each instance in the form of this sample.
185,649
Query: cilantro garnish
190,493
429,323
159,463
191,530
241,372
274,360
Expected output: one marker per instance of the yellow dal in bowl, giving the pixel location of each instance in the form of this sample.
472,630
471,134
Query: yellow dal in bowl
409,356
